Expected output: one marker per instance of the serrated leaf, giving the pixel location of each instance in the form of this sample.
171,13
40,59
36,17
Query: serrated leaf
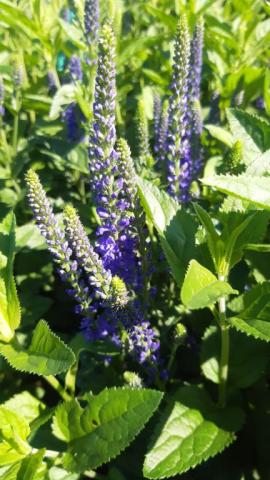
201,287
191,430
10,314
253,189
254,319
175,226
104,428
247,361
14,431
46,355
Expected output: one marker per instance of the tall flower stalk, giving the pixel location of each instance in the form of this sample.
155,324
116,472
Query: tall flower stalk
113,206
196,73
57,243
178,151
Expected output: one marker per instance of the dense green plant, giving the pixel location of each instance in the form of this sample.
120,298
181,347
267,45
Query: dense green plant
164,246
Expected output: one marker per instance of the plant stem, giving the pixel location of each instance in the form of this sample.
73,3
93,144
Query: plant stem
56,385
225,350
16,123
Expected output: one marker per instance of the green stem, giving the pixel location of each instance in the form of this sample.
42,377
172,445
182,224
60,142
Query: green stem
16,125
56,385
225,350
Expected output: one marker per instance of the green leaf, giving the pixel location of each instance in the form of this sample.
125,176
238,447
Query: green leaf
214,242
247,362
29,236
191,430
175,226
253,189
46,355
220,134
201,287
252,131
254,319
14,431
32,468
260,166
107,425
159,206
29,407
10,314
240,231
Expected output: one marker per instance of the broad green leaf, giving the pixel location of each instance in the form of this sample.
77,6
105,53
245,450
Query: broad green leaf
247,362
29,236
253,189
220,134
175,226
254,319
28,406
191,430
201,287
14,431
253,132
10,314
46,354
106,426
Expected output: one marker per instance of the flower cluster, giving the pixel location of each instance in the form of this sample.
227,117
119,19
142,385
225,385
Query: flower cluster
182,128
91,20
56,241
178,155
196,122
113,182
107,182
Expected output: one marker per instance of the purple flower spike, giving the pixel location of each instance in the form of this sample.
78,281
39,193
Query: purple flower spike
178,149
56,241
75,68
91,20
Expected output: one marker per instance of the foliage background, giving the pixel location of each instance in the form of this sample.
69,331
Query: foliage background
35,36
